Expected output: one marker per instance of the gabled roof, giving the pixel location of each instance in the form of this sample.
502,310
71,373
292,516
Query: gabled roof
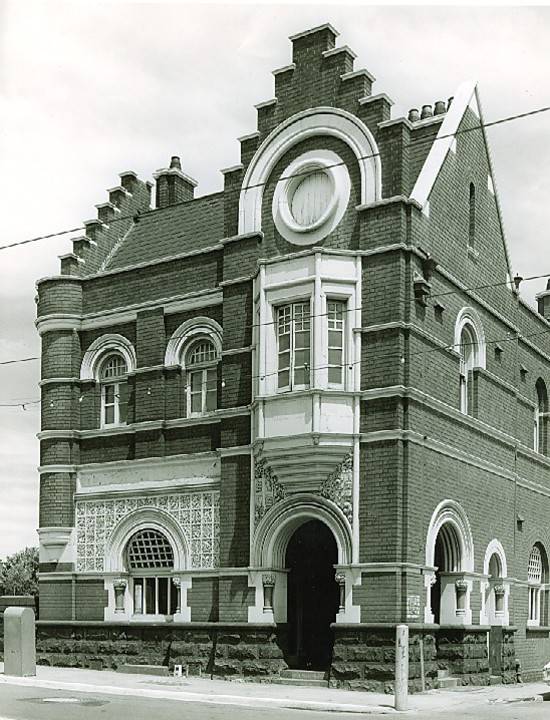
170,231
465,96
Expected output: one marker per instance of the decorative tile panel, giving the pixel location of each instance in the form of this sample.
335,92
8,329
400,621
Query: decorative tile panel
197,514
267,488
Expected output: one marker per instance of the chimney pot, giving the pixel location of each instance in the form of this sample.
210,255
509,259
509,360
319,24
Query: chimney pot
440,108
426,111
175,162
414,115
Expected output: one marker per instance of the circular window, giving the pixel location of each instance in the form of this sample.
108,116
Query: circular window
311,198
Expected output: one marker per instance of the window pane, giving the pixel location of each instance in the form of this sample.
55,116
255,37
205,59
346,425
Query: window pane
109,414
334,356
284,379
109,394
212,379
300,376
150,596
196,382
211,400
301,358
284,360
335,375
284,342
196,402
334,338
122,401
163,595
173,598
138,595
302,339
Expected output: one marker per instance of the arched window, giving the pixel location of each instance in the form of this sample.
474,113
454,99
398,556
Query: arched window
540,418
468,353
150,561
114,390
201,361
472,217
536,576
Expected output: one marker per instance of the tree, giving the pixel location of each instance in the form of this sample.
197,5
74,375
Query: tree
19,573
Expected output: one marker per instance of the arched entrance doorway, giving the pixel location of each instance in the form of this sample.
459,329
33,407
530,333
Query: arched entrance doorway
447,560
312,595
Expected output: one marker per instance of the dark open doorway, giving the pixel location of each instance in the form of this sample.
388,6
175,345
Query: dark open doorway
313,596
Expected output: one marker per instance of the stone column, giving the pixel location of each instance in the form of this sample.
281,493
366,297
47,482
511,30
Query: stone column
176,581
340,578
500,592
119,586
461,587
268,581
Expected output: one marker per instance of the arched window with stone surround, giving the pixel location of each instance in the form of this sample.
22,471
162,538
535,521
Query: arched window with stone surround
150,562
540,418
470,344
537,574
114,390
196,347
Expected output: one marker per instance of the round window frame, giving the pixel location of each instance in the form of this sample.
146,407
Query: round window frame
315,160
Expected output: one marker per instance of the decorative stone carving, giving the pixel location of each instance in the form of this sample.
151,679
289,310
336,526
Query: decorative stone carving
267,488
197,514
268,581
340,578
119,586
338,486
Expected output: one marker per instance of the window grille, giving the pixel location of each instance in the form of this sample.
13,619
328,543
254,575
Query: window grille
202,352
113,367
149,549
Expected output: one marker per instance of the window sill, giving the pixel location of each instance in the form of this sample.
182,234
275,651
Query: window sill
537,630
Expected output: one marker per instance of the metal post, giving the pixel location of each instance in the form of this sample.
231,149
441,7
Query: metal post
401,667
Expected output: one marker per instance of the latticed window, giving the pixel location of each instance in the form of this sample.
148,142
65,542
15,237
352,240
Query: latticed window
335,321
202,378
114,390
150,559
534,578
294,343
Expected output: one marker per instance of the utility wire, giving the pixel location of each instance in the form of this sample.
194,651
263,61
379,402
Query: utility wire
511,337
413,146
348,310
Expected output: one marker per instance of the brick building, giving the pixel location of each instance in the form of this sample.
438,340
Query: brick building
279,419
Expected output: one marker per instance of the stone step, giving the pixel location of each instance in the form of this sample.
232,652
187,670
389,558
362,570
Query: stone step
143,669
303,674
300,682
447,682
495,679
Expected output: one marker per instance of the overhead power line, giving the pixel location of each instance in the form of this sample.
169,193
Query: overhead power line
415,144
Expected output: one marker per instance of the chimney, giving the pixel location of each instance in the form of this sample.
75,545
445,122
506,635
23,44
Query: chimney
543,302
173,185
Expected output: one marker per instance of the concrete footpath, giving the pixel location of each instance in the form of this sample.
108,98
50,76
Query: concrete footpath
244,694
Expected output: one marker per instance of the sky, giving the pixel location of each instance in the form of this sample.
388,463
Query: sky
91,89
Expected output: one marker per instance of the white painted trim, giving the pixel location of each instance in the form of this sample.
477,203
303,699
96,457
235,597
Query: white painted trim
338,50
395,121
374,98
266,103
362,72
442,143
279,71
141,519
231,169
495,548
309,123
311,31
277,526
450,511
101,346
469,317
191,330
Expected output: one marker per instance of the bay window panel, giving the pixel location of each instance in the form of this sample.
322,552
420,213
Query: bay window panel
294,340
335,322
